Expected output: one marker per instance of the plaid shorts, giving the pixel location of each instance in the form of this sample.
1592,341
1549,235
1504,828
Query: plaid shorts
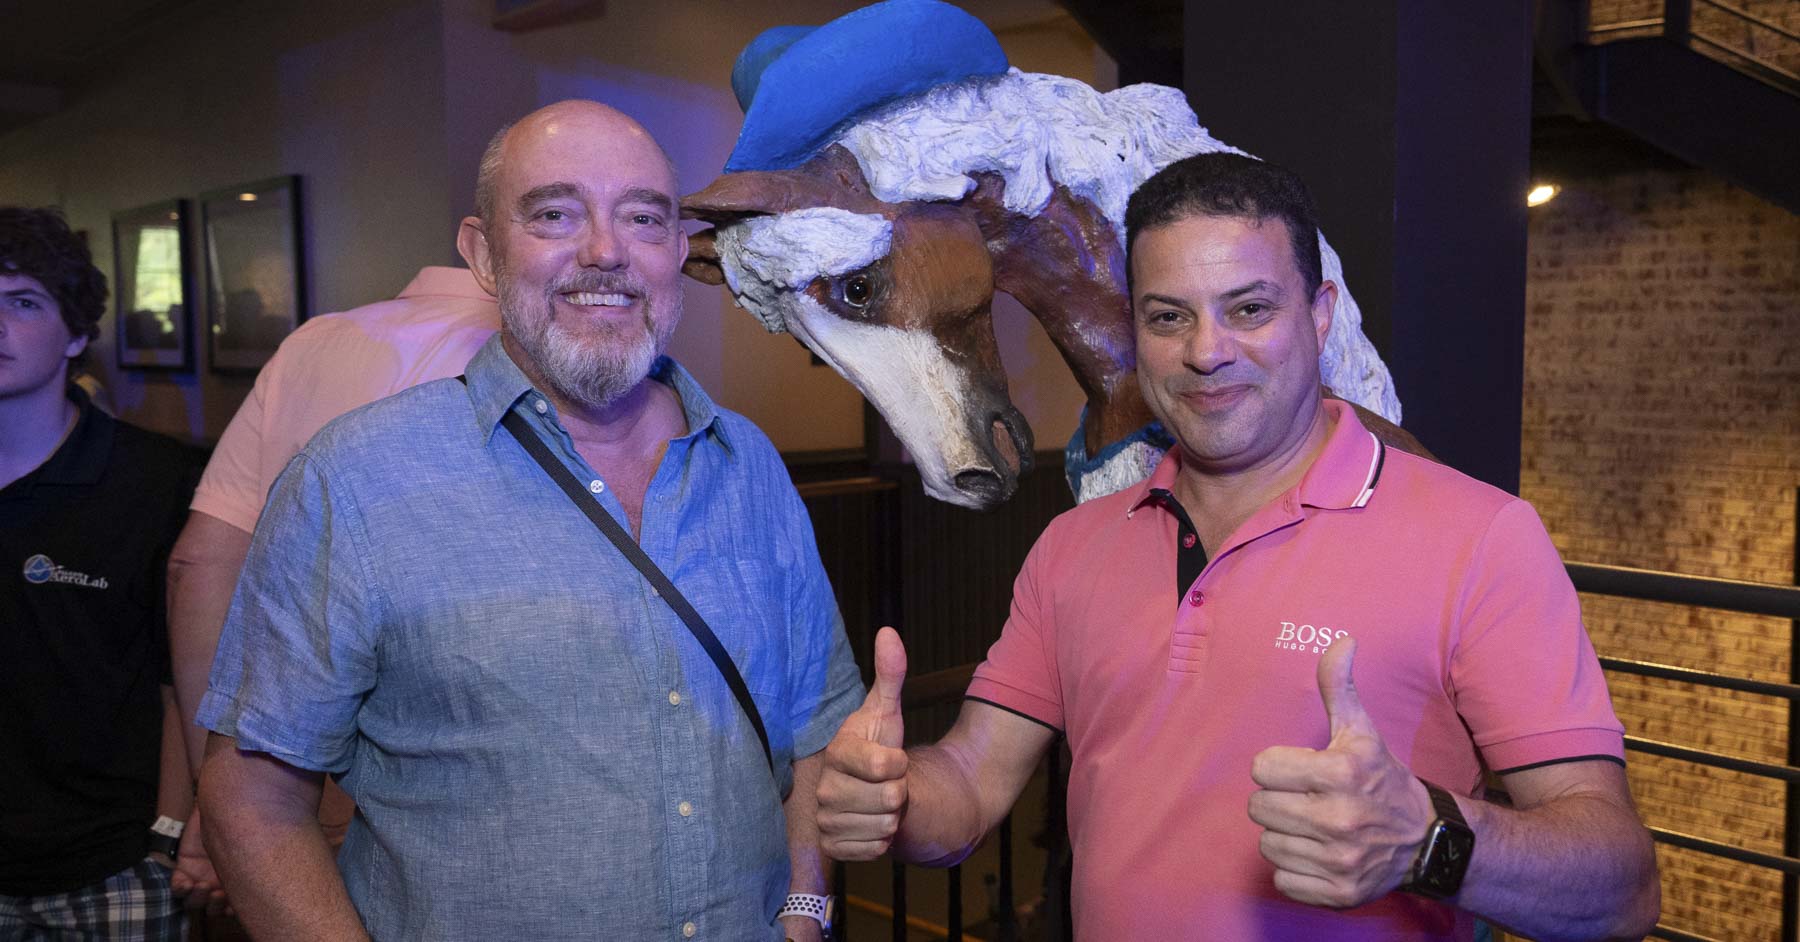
133,905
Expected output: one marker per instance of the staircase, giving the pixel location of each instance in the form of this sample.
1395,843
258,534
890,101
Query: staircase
1714,83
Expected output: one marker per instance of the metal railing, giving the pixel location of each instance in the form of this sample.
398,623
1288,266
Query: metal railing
1752,598
1677,24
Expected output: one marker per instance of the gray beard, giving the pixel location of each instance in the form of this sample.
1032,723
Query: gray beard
595,369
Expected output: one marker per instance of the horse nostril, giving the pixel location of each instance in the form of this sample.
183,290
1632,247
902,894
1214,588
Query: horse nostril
985,486
1003,443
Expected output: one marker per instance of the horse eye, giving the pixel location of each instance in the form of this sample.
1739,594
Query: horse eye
857,290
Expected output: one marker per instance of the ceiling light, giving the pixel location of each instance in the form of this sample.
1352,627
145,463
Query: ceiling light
251,198
1541,194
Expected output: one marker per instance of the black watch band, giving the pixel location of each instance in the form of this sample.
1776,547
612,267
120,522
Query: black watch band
164,844
1443,859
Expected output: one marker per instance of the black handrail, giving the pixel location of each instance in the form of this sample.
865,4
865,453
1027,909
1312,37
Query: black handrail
1663,932
1703,678
1730,851
1753,598
1719,760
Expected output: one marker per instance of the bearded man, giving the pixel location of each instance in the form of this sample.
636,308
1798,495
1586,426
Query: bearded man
540,741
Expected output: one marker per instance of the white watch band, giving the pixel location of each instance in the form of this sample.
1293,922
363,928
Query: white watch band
809,905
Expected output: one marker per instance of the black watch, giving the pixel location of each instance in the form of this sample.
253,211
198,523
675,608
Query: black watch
165,836
1449,844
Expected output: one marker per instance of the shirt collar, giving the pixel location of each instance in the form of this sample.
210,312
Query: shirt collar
1347,470
444,281
496,384
81,458
1343,476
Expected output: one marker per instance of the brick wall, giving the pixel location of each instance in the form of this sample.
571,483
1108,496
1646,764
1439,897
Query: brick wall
1662,430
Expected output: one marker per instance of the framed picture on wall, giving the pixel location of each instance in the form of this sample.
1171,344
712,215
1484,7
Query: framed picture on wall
255,275
153,287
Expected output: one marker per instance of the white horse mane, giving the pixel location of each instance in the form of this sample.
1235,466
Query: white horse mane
1037,131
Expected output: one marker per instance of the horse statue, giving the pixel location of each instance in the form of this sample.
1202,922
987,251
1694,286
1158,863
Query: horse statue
875,221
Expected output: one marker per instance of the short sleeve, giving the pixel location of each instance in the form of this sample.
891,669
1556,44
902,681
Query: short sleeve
822,676
298,651
233,487
1020,673
1524,674
186,472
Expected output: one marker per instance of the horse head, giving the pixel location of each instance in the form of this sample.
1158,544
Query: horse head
894,296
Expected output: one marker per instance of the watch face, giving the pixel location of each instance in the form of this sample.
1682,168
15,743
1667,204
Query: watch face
1445,860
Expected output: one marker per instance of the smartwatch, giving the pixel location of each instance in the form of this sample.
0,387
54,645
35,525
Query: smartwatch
1443,860
820,909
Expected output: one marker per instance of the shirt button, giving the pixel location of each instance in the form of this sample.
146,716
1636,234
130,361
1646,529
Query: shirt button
1188,540
685,809
674,698
596,485
1196,597
688,929
540,406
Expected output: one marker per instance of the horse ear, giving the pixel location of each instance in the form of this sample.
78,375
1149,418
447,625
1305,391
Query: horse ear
831,179
736,196
702,263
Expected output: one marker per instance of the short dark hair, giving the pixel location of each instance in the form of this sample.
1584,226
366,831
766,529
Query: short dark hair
37,243
1222,184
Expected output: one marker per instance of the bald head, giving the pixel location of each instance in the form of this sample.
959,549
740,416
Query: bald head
575,116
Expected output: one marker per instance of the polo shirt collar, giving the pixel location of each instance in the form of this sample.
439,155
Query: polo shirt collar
1161,481
1342,477
1348,468
81,459
445,281
496,384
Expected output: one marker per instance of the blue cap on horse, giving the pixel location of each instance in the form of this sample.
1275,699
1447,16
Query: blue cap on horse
798,84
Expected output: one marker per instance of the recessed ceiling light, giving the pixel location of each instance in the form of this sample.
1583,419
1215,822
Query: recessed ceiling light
1541,194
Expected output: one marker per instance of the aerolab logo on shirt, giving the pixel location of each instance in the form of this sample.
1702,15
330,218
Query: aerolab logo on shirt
1316,639
39,570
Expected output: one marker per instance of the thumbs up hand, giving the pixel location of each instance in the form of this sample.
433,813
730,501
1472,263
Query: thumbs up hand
862,790
1343,824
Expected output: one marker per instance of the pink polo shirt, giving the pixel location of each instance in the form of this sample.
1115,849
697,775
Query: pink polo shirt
335,363
1470,647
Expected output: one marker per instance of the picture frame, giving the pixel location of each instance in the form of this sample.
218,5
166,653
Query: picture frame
255,271
153,288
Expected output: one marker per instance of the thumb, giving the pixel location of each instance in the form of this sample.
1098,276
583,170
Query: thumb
1337,687
885,726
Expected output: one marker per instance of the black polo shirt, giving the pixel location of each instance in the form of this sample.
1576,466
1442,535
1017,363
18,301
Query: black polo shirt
84,543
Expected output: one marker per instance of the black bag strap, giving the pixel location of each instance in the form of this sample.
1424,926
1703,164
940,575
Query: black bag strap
665,589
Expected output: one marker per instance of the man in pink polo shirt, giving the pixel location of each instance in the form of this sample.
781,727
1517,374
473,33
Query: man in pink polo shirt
331,365
1194,637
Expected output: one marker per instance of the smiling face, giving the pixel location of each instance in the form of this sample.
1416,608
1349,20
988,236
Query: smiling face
583,249
35,344
1228,338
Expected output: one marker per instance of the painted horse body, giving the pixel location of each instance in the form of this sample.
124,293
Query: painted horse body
882,254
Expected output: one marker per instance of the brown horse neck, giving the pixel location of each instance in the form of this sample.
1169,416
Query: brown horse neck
1066,267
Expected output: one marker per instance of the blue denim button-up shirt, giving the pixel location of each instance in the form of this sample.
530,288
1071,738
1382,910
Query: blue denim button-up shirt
537,746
